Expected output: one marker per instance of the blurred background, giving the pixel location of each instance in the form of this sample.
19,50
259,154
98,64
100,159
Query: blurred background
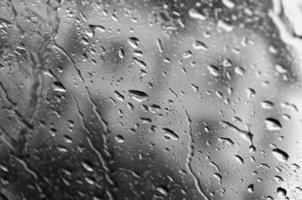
131,100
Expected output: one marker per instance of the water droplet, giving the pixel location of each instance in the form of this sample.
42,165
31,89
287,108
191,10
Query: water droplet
138,95
121,53
239,159
213,70
282,156
228,3
240,71
246,135
250,188
267,104
154,108
97,27
89,180
187,54
134,42
170,134
62,149
250,92
67,139
278,179
227,63
225,140
119,139
141,63
281,192
195,14
159,45
280,69
87,166
222,25
218,177
299,189
58,86
273,124
119,96
199,45
163,190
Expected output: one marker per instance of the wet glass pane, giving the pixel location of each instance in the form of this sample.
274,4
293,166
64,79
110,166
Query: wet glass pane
132,100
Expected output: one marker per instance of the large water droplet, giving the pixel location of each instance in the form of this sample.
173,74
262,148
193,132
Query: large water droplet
273,124
282,156
281,192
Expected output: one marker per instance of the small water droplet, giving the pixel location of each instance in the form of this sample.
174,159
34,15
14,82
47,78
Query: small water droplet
267,104
250,92
195,14
121,53
250,188
225,140
280,69
89,180
62,149
87,166
227,63
228,3
119,96
97,27
239,159
134,42
218,177
159,45
141,63
119,139
199,45
222,25
138,95
170,134
58,86
213,70
163,190
240,71
187,54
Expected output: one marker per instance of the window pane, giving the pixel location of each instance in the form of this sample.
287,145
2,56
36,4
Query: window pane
150,99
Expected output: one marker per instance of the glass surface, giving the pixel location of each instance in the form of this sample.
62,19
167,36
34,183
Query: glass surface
132,100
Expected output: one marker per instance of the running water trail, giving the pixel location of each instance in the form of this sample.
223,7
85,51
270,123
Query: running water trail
190,156
100,156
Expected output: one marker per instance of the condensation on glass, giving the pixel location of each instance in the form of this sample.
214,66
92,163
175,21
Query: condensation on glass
134,100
